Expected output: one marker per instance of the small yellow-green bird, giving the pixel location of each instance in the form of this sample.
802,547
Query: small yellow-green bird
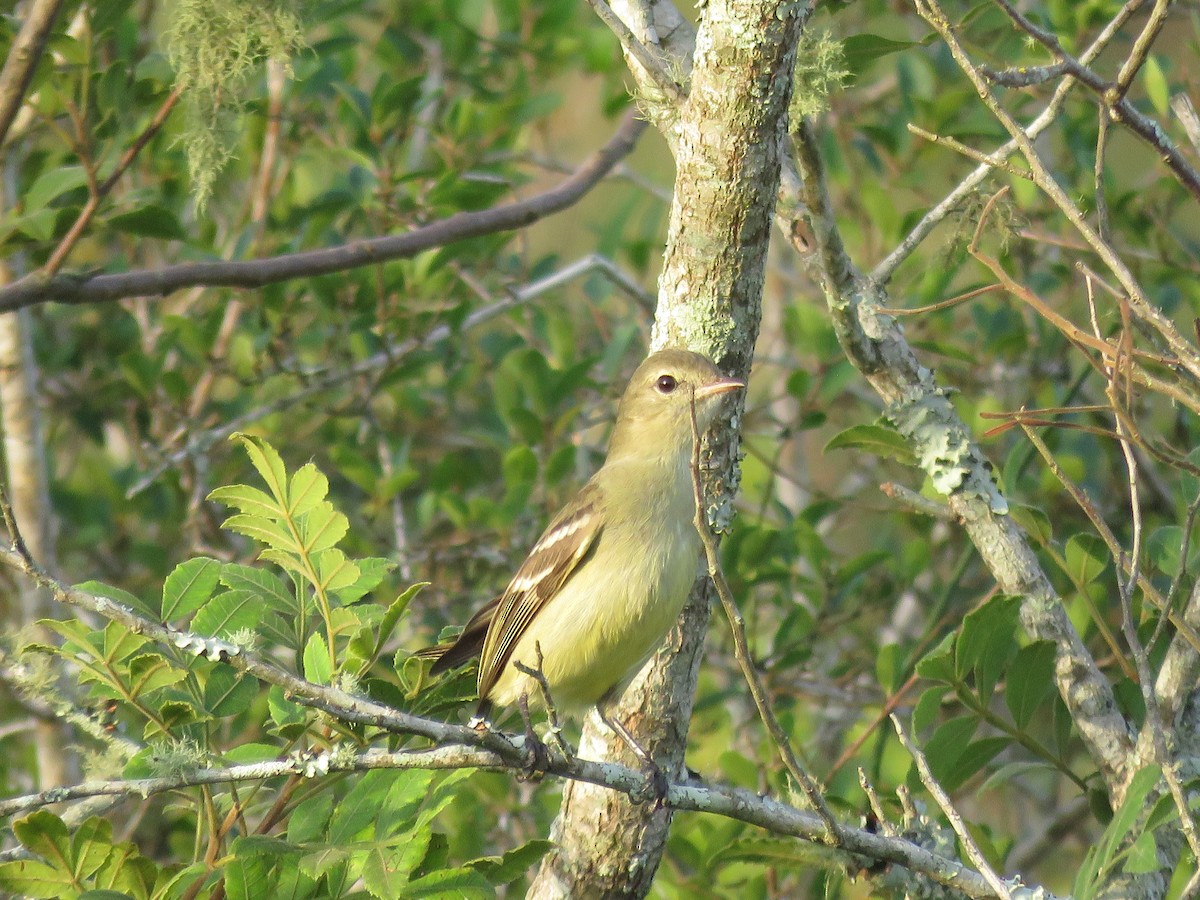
605,582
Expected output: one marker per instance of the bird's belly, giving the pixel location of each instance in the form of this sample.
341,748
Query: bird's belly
590,644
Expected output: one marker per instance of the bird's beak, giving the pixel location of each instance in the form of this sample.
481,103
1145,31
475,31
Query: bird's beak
720,386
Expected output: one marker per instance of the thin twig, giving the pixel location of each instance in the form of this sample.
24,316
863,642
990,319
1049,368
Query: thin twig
741,649
644,56
956,822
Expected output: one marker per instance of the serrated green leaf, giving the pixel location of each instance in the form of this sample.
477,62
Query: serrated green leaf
33,878
388,623
249,500
308,487
189,587
91,846
322,527
386,869
462,884
267,586
371,572
269,464
264,531
150,672
334,571
226,613
500,870
45,834
117,595
318,665
876,439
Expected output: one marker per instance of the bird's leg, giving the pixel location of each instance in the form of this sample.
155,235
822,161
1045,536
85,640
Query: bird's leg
554,728
537,759
656,779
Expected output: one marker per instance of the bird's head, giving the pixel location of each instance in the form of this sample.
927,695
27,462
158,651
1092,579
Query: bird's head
656,406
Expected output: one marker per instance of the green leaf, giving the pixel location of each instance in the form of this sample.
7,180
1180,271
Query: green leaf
267,586
876,439
334,571
318,666
1087,558
987,641
310,818
938,663
268,463
371,572
91,846
188,587
386,870
888,667
149,221
1157,88
227,693
926,711
516,862
100,589
388,623
972,759
322,527
1143,855
860,50
45,834
51,185
1033,521
33,878
264,531
462,884
151,672
226,613
948,742
308,487
1030,680
248,499
361,805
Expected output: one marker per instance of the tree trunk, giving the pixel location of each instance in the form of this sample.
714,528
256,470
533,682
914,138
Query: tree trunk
727,137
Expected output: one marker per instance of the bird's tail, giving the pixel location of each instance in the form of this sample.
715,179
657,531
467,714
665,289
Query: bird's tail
466,647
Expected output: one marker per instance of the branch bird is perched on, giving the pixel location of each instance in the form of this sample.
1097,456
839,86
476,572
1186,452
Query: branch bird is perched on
605,582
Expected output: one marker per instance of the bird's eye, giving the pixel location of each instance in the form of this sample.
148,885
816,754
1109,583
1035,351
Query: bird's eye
666,384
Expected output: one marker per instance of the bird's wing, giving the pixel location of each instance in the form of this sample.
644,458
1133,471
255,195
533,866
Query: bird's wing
552,561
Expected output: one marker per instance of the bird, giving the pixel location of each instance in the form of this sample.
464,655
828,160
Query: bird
602,586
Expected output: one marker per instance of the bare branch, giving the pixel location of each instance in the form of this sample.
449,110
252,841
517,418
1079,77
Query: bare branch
23,58
883,272
256,273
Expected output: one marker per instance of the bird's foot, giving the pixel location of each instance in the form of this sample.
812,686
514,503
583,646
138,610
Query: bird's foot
654,790
537,755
